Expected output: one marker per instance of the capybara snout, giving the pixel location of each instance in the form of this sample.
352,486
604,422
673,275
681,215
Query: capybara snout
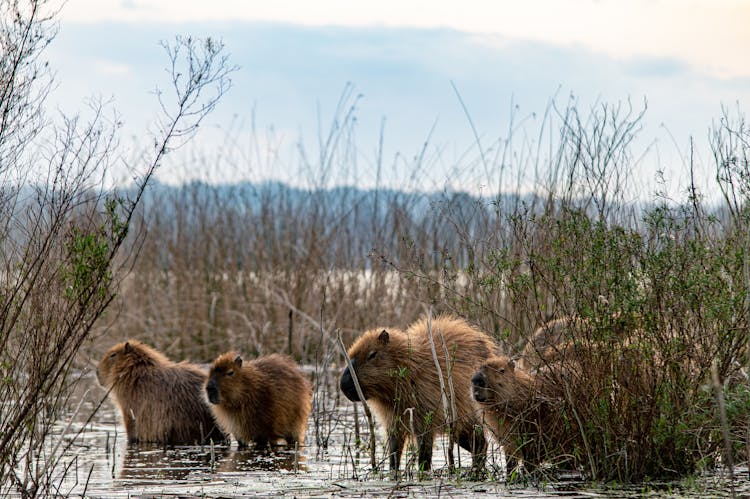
221,382
347,384
495,381
479,387
212,391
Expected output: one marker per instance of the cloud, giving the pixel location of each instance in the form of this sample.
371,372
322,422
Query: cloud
652,67
710,36
113,68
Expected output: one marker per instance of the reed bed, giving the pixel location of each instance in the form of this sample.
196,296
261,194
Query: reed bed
661,284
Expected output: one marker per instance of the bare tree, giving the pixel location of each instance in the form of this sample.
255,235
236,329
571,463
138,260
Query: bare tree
62,229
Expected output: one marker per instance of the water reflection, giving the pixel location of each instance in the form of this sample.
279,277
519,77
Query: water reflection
150,462
277,459
147,463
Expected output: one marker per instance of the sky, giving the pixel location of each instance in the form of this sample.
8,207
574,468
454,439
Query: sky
456,76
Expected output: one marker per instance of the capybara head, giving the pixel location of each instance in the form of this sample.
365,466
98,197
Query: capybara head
375,357
223,378
123,358
497,381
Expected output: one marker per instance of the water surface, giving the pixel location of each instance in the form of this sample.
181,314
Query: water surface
99,463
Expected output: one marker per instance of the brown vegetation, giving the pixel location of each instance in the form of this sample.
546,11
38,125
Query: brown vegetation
159,400
397,372
560,339
260,401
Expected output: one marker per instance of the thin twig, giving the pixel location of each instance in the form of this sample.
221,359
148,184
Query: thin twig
582,430
443,393
360,394
724,423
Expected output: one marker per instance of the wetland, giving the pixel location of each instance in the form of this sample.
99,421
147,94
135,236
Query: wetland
100,463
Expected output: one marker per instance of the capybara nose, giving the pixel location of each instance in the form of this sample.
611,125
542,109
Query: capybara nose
347,385
478,380
479,394
479,387
212,390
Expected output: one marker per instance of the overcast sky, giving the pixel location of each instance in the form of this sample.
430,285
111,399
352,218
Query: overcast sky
685,57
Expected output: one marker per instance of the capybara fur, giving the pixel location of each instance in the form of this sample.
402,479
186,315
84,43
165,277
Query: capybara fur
523,410
396,371
260,401
160,401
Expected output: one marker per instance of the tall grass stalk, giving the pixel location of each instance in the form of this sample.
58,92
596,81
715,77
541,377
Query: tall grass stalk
365,407
447,402
720,402
451,396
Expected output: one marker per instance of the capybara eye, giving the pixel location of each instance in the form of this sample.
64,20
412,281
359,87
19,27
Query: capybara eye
113,355
230,373
501,370
372,355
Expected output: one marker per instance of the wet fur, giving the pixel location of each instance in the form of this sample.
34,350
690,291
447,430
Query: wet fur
160,401
265,400
400,373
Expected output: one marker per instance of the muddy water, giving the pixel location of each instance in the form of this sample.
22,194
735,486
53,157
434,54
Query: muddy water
100,464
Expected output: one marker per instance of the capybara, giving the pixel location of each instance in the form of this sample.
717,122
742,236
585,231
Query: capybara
545,344
160,401
522,409
396,371
552,341
260,401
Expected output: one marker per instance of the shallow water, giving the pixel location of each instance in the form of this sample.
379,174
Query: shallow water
99,463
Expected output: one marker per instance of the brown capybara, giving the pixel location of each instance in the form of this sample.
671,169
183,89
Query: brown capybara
260,401
522,409
552,341
396,371
544,346
160,401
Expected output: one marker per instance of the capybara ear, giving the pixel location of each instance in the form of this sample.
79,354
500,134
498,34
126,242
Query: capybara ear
128,348
238,361
511,365
383,337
